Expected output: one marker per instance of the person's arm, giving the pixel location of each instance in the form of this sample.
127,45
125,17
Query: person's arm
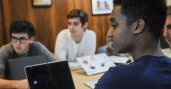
91,42
60,47
13,84
74,65
45,51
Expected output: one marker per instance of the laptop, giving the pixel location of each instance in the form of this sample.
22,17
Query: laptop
52,75
16,66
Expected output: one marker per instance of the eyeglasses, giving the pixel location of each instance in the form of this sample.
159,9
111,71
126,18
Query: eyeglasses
21,40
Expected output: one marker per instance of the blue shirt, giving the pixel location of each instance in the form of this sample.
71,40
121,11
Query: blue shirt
147,72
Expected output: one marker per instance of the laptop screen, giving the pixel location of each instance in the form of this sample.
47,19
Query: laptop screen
16,66
52,75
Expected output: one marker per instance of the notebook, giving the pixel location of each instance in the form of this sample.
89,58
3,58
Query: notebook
16,66
52,75
95,63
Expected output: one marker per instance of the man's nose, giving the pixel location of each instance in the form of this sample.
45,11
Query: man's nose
109,38
166,32
109,34
71,26
18,42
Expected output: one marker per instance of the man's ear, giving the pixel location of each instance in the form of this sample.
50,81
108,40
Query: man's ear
138,26
85,25
31,39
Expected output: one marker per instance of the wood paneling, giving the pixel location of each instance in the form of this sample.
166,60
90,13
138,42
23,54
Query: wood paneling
49,21
1,25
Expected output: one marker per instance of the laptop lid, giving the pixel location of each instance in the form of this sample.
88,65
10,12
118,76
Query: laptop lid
16,66
52,75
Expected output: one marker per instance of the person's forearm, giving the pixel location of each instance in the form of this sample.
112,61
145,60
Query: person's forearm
74,65
7,84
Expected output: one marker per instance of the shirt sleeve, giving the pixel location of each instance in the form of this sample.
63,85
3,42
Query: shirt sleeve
4,55
91,42
46,52
60,47
74,65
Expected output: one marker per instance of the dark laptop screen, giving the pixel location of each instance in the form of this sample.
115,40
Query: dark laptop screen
54,75
16,66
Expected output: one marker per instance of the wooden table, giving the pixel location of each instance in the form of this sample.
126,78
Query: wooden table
80,78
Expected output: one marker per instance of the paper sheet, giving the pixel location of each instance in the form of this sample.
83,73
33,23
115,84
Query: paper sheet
91,84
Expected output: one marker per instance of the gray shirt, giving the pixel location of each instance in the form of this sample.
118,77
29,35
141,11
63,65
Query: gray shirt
7,52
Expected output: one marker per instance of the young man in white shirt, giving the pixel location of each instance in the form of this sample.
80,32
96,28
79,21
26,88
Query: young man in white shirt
76,40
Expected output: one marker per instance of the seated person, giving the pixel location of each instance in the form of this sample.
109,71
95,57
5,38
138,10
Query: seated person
101,49
167,33
135,28
167,27
76,41
22,45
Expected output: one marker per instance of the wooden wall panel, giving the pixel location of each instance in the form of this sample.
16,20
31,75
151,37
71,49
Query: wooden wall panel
51,20
1,25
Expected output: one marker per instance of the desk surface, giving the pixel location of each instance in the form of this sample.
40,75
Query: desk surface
80,78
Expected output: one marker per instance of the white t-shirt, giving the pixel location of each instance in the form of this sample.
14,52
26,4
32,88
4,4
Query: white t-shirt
67,49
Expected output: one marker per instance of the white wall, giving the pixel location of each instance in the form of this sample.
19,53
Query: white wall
168,2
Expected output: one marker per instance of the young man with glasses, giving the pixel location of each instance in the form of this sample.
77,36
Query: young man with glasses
22,45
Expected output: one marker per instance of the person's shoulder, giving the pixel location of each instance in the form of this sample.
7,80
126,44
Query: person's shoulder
165,60
64,31
155,59
120,67
115,75
36,43
7,47
90,32
37,46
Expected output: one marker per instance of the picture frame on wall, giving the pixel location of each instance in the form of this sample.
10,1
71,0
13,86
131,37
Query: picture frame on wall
42,3
100,7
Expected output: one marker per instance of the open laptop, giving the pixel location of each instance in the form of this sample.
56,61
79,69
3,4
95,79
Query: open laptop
16,66
52,75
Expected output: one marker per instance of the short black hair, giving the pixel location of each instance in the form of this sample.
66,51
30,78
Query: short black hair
153,12
78,13
22,26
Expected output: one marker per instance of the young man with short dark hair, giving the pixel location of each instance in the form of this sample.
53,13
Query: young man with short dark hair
167,27
22,45
77,40
135,28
